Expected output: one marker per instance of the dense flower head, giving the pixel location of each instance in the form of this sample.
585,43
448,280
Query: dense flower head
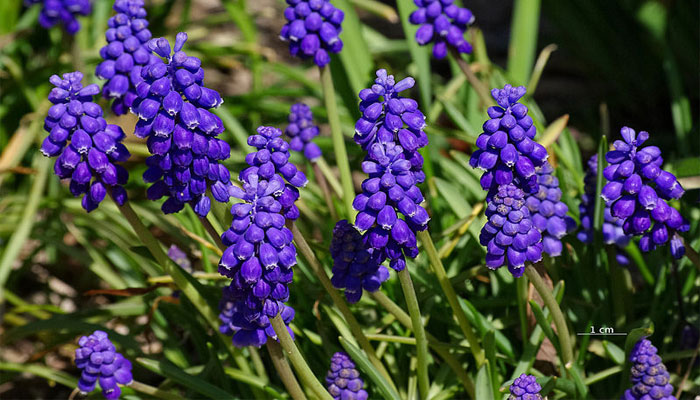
507,151
650,379
173,109
343,379
99,360
356,265
62,11
525,387
510,236
548,212
638,191
301,131
312,30
86,147
125,54
442,23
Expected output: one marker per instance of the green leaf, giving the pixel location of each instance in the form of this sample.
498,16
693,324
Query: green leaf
523,40
181,377
600,180
45,372
484,390
357,64
419,54
614,352
366,366
544,324
634,336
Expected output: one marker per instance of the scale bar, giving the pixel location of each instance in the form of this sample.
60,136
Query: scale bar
600,334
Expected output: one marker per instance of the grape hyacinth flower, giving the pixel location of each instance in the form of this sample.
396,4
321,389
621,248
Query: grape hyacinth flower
301,131
99,360
525,387
343,379
312,29
173,109
442,23
507,149
86,146
548,212
62,11
125,54
510,236
650,379
638,191
356,265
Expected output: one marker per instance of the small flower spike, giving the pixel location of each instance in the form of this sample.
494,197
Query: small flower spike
98,360
62,11
343,379
301,131
650,379
87,148
442,23
312,30
525,387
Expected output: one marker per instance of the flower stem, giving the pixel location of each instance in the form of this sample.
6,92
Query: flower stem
300,365
285,371
478,86
449,291
418,331
326,191
330,176
690,252
212,232
341,154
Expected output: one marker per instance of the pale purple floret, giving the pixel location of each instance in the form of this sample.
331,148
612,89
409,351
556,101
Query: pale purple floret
301,131
99,361
64,12
312,29
442,23
650,379
525,387
343,379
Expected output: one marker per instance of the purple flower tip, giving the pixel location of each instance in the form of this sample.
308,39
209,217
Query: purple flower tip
650,379
525,387
98,360
343,379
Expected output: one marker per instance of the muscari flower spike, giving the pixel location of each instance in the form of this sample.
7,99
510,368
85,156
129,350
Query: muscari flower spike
507,149
99,360
173,109
86,146
525,387
442,23
62,11
312,29
638,191
125,54
650,379
343,379
548,212
301,131
356,265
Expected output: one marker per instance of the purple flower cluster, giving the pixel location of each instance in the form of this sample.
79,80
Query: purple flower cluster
312,29
525,387
173,106
356,265
650,379
548,212
125,54
62,11
87,147
510,236
98,359
301,131
442,23
638,191
343,379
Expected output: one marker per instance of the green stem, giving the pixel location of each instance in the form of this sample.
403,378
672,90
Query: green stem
478,86
300,365
330,176
449,291
521,293
341,154
285,371
150,390
321,180
418,331
212,232
690,252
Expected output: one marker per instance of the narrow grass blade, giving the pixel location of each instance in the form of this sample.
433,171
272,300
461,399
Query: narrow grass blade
523,40
176,374
366,366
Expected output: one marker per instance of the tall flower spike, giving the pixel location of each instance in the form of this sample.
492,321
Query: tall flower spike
99,360
86,146
312,30
525,387
301,131
442,23
548,212
650,379
356,265
507,149
509,235
173,108
343,379
638,191
62,11
125,54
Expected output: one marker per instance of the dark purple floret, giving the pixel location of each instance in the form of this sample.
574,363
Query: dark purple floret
173,109
343,379
356,265
88,149
62,11
638,191
312,29
525,387
125,54
301,131
442,23
650,379
98,360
